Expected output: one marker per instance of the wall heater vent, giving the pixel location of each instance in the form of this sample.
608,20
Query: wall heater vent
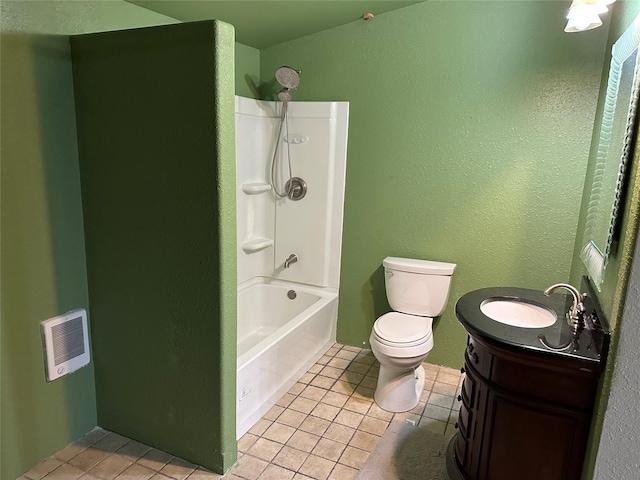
66,343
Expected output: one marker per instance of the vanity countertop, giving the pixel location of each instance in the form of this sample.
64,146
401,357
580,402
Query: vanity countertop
592,342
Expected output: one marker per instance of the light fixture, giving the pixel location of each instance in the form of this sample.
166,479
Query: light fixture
584,14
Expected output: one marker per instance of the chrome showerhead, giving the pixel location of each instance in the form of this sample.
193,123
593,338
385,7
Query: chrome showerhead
285,95
288,77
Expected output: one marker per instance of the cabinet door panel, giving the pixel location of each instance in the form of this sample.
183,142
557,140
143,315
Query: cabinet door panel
527,443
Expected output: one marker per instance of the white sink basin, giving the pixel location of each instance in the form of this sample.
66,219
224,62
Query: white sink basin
518,313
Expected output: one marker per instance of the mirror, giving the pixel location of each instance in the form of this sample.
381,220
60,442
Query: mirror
612,155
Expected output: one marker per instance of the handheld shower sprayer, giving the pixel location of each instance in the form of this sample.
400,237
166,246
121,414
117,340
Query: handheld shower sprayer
289,79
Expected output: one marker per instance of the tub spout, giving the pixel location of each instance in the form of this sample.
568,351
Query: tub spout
293,258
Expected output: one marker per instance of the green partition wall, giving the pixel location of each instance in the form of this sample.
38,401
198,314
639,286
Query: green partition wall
155,115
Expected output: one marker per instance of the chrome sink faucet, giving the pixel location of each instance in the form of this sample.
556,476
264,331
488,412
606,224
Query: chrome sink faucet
575,315
293,258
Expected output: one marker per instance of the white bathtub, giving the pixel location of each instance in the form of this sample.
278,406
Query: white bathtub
279,339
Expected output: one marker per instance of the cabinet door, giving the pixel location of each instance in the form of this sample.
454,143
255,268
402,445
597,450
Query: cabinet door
531,441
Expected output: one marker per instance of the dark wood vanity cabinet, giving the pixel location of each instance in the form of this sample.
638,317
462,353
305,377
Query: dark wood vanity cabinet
522,415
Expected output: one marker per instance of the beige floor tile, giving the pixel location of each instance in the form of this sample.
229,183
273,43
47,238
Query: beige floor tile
46,466
339,363
315,425
329,449
260,427
265,449
273,413
274,472
367,358
351,377
307,378
332,372
65,472
317,368
418,409
336,399
364,393
376,412
290,458
444,401
249,467
369,382
111,442
202,474
373,425
353,457
313,393
93,436
133,450
111,467
292,418
358,405
339,433
346,355
333,350
155,459
323,382
361,368
303,405
285,400
279,433
88,458
88,476
349,418
449,378
343,387
342,472
316,467
324,359
70,451
299,476
429,367
437,413
349,348
450,430
297,388
303,441
136,472
364,441
445,389
328,412
246,441
178,469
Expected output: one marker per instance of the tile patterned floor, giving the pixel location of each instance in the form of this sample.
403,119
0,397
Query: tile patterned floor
324,428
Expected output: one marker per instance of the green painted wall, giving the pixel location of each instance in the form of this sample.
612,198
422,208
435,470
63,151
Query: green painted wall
469,131
247,74
43,258
614,288
155,115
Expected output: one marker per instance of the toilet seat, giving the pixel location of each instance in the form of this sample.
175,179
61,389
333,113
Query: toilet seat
402,335
402,329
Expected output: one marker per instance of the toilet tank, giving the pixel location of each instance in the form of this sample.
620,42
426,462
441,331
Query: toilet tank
417,287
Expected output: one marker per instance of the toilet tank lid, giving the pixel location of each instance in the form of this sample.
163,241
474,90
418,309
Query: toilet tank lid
425,267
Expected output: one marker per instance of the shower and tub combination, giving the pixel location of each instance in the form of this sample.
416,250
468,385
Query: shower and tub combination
290,174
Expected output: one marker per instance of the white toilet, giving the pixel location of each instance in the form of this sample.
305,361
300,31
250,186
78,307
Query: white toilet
417,290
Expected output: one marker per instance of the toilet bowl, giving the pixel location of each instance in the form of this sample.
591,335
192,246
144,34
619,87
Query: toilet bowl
402,339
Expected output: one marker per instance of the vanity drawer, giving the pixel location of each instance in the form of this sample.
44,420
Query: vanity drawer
468,395
476,355
465,417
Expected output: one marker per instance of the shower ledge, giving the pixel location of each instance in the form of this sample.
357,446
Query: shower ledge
256,245
255,188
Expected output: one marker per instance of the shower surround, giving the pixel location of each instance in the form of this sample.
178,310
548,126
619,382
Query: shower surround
286,316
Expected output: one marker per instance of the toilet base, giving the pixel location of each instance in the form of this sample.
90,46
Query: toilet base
399,389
